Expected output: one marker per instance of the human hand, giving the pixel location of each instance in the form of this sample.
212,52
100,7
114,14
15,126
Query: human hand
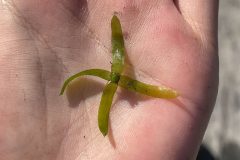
168,43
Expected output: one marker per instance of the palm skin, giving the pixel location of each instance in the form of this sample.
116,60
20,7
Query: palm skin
167,43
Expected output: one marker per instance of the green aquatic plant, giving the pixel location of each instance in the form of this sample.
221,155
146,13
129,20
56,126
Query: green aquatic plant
115,79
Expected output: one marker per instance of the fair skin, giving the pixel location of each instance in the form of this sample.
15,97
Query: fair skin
171,43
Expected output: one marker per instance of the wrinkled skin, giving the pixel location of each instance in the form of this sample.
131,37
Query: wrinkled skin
43,42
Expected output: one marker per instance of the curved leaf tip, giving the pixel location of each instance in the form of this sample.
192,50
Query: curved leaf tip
101,73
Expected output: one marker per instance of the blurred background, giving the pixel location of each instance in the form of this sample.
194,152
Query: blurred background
222,139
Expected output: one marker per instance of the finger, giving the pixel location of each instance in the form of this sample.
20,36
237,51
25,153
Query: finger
202,15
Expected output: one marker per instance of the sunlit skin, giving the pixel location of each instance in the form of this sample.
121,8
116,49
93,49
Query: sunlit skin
114,77
168,43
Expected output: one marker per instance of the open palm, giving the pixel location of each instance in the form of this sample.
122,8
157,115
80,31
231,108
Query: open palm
167,43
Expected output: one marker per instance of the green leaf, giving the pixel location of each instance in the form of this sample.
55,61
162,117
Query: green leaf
115,78
93,72
127,83
117,46
146,89
105,105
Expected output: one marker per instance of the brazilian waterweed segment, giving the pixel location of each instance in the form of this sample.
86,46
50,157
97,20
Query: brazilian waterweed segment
115,79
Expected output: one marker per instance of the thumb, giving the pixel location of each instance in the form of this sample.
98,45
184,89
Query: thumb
202,15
